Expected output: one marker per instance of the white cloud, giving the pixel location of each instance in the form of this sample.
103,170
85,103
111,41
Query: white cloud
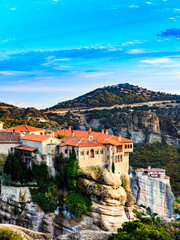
156,60
99,74
133,6
135,51
132,42
149,2
177,9
5,73
13,9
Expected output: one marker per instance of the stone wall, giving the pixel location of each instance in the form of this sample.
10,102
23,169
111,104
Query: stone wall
16,194
6,147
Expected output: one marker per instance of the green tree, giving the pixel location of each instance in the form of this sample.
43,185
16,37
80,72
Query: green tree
16,167
144,229
2,162
113,167
72,170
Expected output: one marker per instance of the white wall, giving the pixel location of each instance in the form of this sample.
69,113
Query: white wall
33,144
6,147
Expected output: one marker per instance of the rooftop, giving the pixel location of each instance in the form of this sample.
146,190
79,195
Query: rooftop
36,138
9,137
26,148
98,137
78,142
23,128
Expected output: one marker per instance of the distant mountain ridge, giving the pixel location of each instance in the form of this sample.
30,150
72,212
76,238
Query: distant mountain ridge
116,94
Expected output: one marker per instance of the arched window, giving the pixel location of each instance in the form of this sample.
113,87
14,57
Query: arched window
92,153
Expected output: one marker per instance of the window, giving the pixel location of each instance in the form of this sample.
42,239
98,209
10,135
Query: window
101,151
87,152
97,152
92,153
82,152
66,151
131,146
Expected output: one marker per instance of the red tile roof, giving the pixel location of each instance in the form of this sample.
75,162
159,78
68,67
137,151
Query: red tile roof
150,170
36,138
78,142
1,122
97,137
26,148
23,128
9,137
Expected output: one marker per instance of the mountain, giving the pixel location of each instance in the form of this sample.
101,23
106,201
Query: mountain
116,94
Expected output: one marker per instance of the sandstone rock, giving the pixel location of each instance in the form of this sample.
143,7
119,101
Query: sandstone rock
112,205
26,233
86,235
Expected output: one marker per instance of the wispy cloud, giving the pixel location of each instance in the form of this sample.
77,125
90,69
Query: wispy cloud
149,3
135,51
156,60
36,89
133,6
13,9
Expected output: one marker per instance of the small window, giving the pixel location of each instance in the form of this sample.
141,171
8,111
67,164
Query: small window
92,153
97,152
66,151
131,146
101,151
82,153
87,152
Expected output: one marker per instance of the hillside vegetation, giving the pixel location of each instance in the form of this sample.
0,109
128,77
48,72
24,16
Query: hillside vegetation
116,94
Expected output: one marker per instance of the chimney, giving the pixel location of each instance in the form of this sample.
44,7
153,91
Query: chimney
102,131
89,129
62,129
90,136
149,167
119,137
106,131
72,133
69,128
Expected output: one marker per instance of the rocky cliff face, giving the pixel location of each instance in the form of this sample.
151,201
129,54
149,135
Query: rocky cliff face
153,193
25,233
144,126
112,204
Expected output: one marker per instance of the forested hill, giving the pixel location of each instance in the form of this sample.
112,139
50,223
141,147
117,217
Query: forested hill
116,94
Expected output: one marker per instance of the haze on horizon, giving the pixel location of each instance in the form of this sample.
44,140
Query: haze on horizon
55,50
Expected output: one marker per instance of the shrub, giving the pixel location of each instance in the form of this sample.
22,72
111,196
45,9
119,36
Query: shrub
124,184
9,235
79,203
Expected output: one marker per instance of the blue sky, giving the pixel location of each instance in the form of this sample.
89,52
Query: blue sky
55,50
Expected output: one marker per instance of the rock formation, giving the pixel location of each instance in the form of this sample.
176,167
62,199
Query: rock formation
144,126
26,234
86,235
153,193
112,204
